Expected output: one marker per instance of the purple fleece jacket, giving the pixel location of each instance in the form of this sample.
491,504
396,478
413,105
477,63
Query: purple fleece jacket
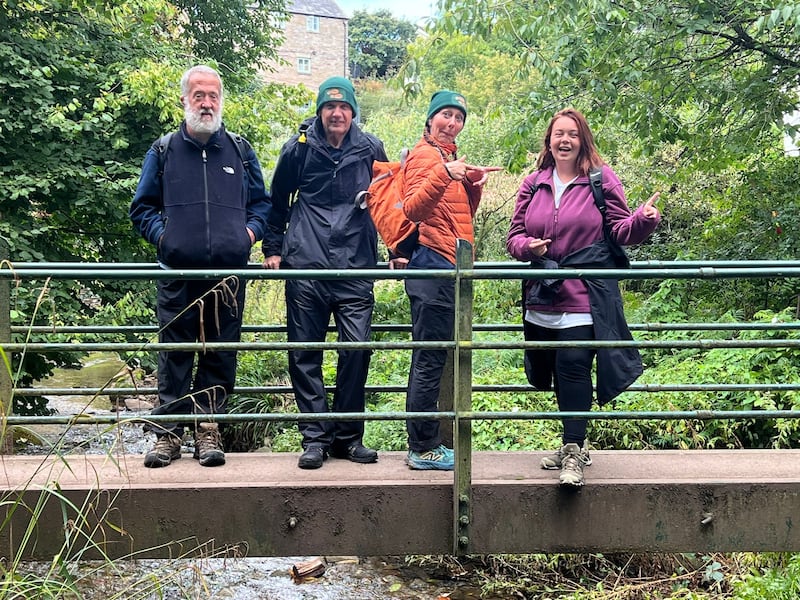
574,225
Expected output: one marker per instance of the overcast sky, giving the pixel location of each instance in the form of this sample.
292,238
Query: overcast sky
413,10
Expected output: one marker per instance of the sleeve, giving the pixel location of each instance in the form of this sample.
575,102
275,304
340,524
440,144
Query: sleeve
147,205
425,183
258,202
517,239
283,188
627,228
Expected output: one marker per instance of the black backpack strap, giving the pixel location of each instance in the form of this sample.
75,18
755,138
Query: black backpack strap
241,147
617,252
160,146
596,183
302,148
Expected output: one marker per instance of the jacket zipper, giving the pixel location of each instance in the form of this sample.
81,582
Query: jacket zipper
205,201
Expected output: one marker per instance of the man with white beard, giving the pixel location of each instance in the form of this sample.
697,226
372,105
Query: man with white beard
202,203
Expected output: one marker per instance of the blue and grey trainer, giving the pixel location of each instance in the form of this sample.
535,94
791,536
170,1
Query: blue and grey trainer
440,458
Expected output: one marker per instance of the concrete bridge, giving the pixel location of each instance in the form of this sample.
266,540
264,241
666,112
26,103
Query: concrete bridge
261,504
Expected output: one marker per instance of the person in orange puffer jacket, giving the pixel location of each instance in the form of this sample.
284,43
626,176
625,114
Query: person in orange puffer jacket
442,193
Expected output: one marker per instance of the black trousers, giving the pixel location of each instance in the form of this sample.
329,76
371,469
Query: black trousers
192,311
432,319
309,306
572,373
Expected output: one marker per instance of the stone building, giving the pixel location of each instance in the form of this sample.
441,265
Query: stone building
315,46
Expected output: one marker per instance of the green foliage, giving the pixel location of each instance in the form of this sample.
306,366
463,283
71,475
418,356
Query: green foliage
266,306
497,131
237,35
377,43
774,576
713,75
85,89
711,366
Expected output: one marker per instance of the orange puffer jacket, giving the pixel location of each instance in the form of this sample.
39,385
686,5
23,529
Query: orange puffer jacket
442,207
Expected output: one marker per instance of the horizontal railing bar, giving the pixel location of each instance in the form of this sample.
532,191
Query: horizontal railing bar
378,274
394,389
691,264
199,347
671,273
671,264
700,415
397,345
398,327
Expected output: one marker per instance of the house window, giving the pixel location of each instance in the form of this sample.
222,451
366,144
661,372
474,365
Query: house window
304,65
312,24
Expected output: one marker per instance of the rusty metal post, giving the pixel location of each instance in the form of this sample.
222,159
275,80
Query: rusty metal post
6,387
462,429
445,401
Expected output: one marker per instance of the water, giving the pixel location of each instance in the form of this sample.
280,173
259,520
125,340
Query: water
345,578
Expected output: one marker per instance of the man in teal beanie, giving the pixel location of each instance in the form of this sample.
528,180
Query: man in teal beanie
444,99
337,89
319,172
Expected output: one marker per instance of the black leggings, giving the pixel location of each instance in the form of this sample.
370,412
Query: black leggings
572,373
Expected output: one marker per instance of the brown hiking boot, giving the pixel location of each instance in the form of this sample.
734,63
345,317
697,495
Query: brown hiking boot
208,445
166,449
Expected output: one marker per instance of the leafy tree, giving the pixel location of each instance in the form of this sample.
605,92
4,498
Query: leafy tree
237,35
714,74
85,87
65,162
378,43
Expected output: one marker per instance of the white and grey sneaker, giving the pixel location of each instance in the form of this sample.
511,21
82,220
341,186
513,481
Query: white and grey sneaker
553,462
572,462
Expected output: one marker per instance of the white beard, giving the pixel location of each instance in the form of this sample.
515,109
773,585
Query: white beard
195,121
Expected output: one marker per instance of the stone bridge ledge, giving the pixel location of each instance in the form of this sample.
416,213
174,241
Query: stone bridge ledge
261,504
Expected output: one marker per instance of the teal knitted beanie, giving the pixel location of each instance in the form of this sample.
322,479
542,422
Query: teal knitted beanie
443,99
337,89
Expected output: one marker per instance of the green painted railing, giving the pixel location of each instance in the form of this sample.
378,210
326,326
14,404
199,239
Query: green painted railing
458,389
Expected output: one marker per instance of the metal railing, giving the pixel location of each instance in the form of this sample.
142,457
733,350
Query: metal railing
455,407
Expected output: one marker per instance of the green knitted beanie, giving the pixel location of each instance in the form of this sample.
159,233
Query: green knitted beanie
337,89
443,99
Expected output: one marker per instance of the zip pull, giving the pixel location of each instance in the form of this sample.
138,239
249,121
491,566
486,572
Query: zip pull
205,158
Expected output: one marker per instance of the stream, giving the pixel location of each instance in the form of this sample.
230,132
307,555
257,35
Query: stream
345,578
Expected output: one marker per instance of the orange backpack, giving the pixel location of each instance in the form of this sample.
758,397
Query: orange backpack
384,200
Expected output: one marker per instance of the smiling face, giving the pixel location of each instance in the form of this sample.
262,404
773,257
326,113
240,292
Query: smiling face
446,124
565,141
336,119
202,105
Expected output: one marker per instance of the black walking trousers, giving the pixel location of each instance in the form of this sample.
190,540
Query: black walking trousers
309,306
432,319
192,311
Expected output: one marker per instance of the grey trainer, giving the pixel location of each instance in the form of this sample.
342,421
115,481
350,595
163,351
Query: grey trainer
554,461
572,465
208,445
167,448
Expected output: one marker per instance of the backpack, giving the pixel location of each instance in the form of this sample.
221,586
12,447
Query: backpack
384,200
162,143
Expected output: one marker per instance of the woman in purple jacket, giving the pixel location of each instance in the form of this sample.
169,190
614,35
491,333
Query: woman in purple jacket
556,223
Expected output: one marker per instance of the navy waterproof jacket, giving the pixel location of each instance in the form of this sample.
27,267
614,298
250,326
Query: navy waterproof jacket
197,212
327,229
